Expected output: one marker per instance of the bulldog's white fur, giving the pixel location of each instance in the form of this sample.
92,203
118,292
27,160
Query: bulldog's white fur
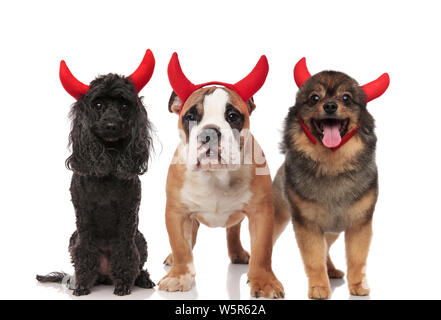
214,117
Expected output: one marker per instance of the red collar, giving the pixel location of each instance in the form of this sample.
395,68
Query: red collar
311,137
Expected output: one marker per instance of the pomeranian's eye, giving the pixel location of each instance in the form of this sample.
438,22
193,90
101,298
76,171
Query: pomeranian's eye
315,98
124,106
346,98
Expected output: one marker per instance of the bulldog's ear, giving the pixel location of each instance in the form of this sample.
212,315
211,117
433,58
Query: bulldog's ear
251,105
174,104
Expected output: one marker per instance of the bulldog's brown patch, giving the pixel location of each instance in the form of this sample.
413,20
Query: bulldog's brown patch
236,252
242,106
234,219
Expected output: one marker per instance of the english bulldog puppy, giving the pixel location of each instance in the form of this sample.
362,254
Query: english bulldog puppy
218,177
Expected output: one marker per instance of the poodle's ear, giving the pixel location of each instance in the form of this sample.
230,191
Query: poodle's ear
88,154
251,105
134,159
174,104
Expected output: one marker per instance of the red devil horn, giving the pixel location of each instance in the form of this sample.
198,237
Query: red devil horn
249,85
74,87
376,88
144,72
179,82
301,73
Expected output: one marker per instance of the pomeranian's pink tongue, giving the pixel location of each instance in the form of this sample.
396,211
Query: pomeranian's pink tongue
331,136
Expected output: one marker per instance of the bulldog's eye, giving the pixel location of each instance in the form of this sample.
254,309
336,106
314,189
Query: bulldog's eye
346,98
189,117
232,117
315,98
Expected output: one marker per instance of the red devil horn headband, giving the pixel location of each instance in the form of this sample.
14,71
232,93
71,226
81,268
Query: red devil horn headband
372,90
245,88
144,72
140,77
74,87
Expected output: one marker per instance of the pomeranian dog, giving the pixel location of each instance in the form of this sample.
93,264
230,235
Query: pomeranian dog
328,183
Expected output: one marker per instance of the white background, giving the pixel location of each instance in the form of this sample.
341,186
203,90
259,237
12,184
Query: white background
219,41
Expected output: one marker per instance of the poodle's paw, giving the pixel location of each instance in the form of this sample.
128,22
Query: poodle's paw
169,260
319,292
144,281
178,280
81,291
266,285
359,289
335,274
122,290
241,257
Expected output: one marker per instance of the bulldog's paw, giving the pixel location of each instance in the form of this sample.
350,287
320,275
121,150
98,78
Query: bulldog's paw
266,285
335,274
169,260
241,257
178,283
178,279
359,289
319,292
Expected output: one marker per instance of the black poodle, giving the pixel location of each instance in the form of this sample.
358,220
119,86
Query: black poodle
111,142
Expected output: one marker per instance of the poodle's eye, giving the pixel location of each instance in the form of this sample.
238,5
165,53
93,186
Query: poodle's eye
346,97
98,105
124,106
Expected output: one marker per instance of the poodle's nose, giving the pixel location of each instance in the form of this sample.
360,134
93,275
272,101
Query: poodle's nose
111,126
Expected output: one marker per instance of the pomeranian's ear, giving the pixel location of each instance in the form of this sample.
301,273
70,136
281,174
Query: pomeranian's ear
174,104
251,105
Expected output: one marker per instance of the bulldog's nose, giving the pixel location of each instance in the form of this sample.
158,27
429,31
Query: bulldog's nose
330,107
209,134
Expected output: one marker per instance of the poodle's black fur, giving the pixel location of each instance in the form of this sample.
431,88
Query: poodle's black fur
111,142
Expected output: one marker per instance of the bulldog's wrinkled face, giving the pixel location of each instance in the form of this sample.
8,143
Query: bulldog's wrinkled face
213,124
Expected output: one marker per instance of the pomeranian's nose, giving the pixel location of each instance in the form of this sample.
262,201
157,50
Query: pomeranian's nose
330,107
